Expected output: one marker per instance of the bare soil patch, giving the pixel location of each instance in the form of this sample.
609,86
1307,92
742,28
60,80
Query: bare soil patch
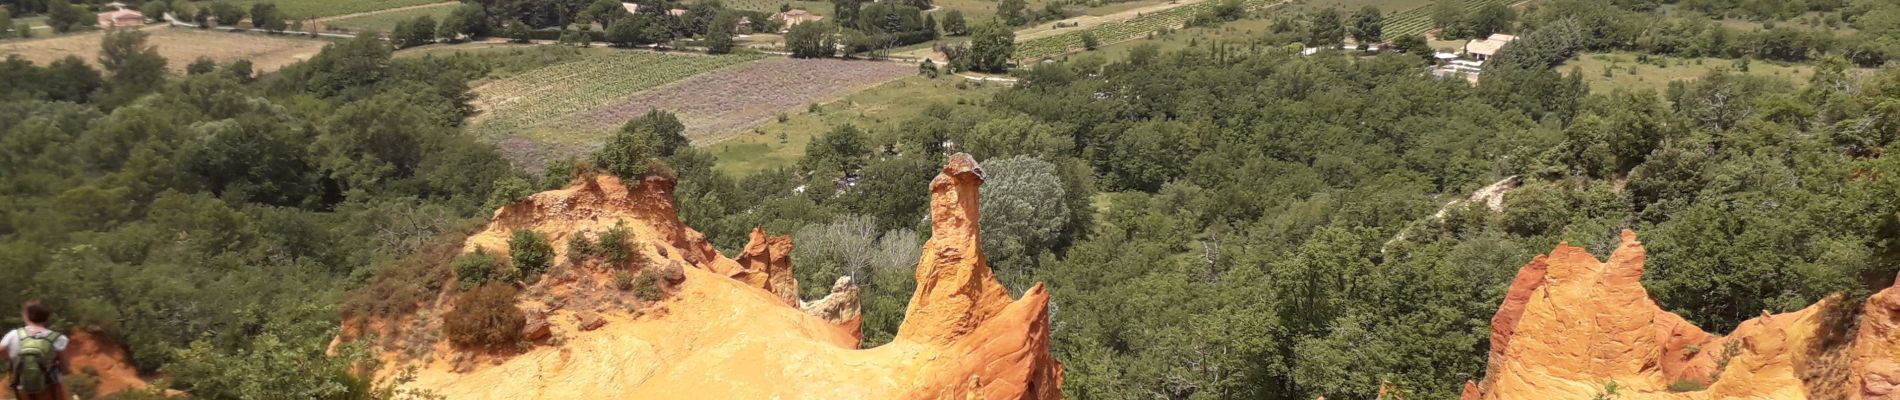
179,46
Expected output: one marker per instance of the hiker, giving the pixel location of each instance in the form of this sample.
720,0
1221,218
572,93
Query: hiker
38,355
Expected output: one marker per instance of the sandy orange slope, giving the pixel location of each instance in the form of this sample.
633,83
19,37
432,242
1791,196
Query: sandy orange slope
733,329
1570,324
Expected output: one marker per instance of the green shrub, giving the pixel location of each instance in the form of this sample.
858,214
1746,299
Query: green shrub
580,248
485,317
646,286
616,246
398,286
530,252
85,384
623,280
1687,385
474,268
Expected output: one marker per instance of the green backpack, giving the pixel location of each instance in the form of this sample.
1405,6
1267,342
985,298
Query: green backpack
33,368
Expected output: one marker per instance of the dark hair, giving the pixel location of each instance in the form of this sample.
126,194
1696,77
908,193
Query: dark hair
37,313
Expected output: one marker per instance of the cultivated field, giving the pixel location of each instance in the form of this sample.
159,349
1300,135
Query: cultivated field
179,46
385,21
518,112
1419,19
310,9
719,104
887,106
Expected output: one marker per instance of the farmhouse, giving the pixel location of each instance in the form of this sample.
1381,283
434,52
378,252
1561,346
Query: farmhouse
632,8
795,17
676,12
1484,49
121,18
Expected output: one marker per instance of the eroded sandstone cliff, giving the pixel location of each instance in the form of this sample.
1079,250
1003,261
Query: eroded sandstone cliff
735,329
1571,324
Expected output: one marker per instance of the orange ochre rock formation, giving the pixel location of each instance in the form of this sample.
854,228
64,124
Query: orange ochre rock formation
735,329
1571,324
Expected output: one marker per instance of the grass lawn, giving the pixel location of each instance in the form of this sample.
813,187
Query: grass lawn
386,21
1649,76
779,144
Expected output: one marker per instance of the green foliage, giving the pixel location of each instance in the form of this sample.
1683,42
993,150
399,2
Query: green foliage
530,252
1368,26
843,149
646,286
1012,12
133,68
265,16
1687,385
954,24
616,246
84,384
635,30
227,13
416,32
1325,28
468,20
631,153
927,69
991,47
580,248
1023,209
475,268
201,66
719,35
484,318
277,366
623,280
1609,392
811,40
63,16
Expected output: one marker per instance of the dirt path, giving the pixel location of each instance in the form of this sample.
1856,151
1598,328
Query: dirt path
354,15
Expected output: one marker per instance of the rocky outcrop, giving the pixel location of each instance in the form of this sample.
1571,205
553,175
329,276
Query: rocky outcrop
1571,323
767,264
959,304
1875,372
840,307
733,329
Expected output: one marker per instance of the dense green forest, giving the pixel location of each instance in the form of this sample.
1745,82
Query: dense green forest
211,222
1219,222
